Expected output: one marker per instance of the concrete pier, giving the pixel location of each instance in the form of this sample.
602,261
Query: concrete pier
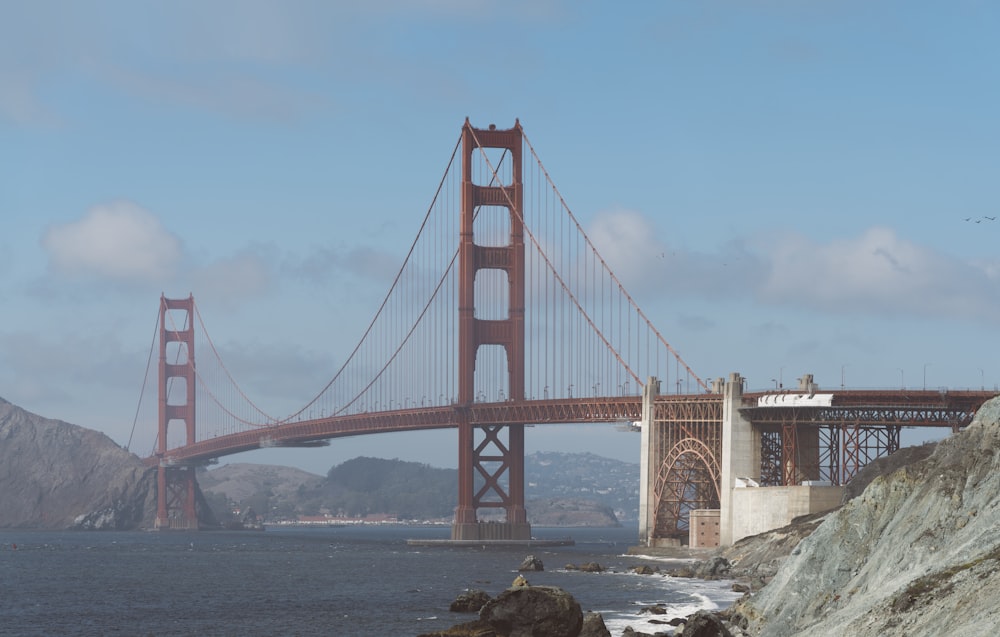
740,453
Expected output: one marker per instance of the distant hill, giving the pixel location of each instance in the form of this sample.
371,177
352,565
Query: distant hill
241,481
584,476
562,489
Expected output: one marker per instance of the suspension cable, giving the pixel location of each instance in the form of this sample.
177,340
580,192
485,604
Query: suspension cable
621,287
142,390
388,295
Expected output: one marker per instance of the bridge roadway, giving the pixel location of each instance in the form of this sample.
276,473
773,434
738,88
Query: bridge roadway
911,408
310,432
872,407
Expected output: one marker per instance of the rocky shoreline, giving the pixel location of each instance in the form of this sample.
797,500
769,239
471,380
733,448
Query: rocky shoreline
913,550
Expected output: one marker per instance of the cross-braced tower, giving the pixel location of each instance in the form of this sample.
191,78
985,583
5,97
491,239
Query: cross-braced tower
497,463
175,485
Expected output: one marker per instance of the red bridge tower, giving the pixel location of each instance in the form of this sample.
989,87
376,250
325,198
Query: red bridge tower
492,457
175,485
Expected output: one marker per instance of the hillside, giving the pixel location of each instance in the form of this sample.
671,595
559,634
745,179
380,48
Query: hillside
562,489
242,481
553,475
55,475
916,553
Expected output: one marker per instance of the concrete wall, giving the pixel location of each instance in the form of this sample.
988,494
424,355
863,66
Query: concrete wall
759,509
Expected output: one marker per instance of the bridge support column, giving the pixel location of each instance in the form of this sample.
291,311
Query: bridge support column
175,486
647,466
740,453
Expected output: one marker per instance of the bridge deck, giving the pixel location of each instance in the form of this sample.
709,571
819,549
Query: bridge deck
912,408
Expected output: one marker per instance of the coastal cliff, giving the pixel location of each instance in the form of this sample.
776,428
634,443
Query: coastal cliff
55,475
916,553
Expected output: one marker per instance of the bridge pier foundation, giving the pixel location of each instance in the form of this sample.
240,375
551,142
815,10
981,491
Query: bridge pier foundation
176,497
492,531
740,453
491,460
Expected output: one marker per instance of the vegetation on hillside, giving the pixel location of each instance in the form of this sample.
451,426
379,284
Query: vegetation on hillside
565,489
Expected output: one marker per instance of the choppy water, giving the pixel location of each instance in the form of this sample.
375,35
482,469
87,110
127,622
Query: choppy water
329,581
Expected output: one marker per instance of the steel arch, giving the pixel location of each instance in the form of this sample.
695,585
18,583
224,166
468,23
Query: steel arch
688,478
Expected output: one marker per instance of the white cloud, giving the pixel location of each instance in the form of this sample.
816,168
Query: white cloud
878,272
627,241
119,241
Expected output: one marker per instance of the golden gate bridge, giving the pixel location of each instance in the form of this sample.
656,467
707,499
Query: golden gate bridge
518,322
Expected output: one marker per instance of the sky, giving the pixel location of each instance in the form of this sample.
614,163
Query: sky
822,175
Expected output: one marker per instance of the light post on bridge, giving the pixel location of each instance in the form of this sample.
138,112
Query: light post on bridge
842,368
902,384
925,376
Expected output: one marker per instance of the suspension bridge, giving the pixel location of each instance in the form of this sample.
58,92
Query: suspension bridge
503,314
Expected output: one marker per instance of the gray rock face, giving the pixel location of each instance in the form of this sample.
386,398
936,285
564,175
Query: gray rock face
529,611
470,601
54,475
594,626
915,554
531,563
705,624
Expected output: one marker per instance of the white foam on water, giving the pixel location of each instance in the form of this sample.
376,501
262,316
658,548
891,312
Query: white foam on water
702,595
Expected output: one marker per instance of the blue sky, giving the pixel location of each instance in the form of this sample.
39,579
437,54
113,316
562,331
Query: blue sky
821,175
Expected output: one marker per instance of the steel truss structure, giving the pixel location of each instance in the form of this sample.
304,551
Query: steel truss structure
833,443
687,439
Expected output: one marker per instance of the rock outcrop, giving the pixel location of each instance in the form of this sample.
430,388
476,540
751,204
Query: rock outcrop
54,475
916,553
470,601
594,626
531,563
527,611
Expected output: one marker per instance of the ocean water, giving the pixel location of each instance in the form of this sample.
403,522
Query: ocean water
362,580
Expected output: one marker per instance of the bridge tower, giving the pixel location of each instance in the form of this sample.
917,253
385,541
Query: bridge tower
175,485
491,458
